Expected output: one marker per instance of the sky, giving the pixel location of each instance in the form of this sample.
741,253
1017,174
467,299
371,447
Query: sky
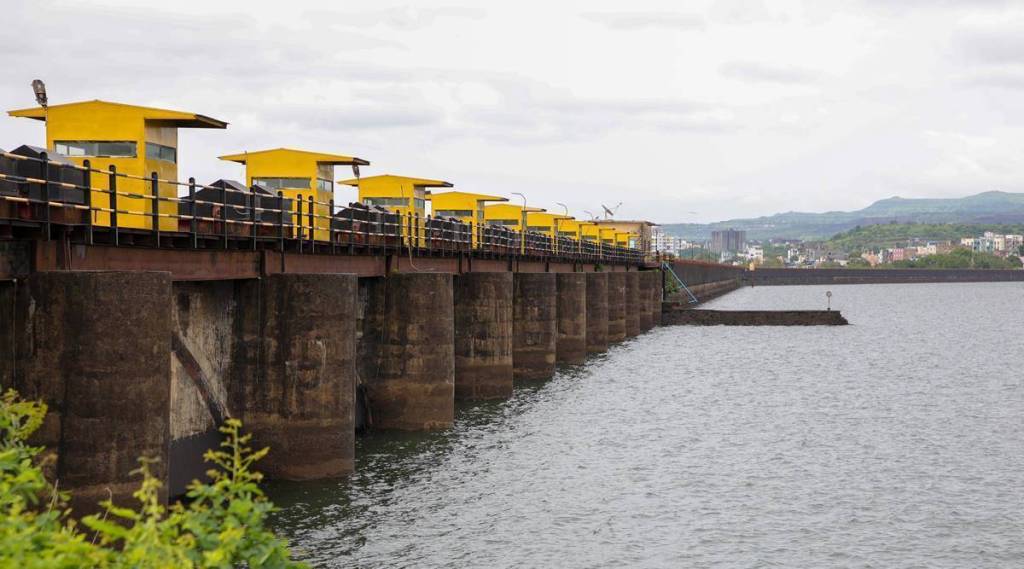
682,111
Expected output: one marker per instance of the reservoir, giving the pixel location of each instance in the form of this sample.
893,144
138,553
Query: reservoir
896,441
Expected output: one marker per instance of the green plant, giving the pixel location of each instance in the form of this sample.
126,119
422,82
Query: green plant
223,524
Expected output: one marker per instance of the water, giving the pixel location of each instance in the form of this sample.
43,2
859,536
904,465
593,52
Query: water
896,441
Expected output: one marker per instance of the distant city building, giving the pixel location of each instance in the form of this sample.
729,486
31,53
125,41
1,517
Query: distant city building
728,241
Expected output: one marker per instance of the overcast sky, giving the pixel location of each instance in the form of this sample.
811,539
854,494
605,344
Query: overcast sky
683,111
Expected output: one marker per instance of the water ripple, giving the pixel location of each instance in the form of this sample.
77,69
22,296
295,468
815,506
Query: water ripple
896,441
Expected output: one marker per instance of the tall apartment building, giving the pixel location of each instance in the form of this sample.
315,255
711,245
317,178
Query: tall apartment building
728,240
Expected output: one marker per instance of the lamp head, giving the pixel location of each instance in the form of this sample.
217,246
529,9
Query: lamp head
39,88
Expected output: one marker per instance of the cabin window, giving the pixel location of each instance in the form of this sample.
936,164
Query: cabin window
540,228
104,148
514,222
393,202
156,151
454,213
567,233
324,185
420,203
282,183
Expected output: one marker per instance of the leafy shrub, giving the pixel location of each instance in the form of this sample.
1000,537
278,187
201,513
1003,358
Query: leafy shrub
223,524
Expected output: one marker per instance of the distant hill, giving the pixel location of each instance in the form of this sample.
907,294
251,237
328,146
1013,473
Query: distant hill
983,208
874,237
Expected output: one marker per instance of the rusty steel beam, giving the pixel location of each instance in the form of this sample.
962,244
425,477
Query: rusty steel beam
202,264
360,265
183,264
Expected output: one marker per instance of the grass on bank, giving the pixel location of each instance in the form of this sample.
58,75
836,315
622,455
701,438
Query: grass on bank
223,524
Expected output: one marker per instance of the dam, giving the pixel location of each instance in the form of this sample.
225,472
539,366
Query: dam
142,340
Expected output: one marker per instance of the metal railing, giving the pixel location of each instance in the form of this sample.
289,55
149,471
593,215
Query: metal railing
106,206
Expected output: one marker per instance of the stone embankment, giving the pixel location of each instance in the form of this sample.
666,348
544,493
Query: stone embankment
679,316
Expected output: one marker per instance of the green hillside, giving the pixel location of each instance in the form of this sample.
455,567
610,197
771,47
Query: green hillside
988,208
874,237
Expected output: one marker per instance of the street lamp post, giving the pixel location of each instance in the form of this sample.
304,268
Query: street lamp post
523,226
558,234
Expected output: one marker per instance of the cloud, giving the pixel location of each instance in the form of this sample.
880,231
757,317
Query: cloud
997,43
339,118
1000,76
536,113
768,73
407,18
645,20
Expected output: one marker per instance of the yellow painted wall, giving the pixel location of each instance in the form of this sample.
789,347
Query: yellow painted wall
284,163
457,202
411,191
395,187
544,222
97,121
640,231
505,212
590,232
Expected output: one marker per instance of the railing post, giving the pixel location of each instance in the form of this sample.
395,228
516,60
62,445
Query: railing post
253,215
154,189
298,214
312,225
366,228
112,202
192,223
330,227
280,220
46,192
87,197
224,213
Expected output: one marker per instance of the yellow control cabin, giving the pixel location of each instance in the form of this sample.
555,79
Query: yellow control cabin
404,195
572,228
509,216
137,141
298,175
639,230
546,223
400,194
549,224
590,231
465,206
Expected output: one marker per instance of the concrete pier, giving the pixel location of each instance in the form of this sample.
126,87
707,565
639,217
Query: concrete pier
646,308
483,336
296,396
597,312
571,309
409,335
633,304
94,347
534,326
616,307
658,296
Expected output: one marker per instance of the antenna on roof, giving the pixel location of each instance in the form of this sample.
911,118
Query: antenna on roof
610,213
40,90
